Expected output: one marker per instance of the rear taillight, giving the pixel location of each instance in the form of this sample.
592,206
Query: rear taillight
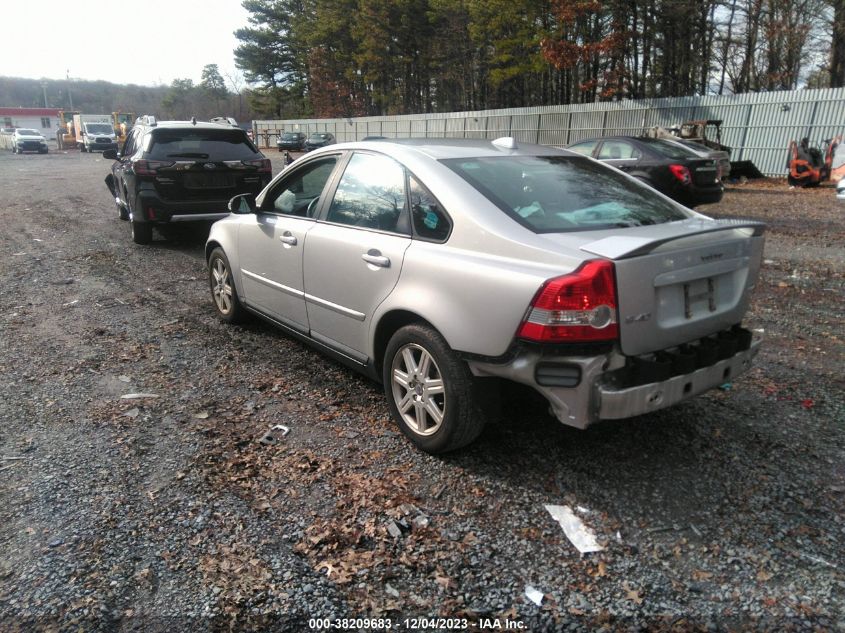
579,307
149,167
263,165
681,173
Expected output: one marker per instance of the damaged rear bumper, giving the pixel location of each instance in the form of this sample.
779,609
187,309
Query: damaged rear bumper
614,403
582,390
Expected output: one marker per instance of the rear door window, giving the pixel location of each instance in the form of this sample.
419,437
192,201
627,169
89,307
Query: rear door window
618,150
200,144
564,193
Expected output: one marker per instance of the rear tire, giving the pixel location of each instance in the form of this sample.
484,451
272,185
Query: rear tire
433,396
142,232
224,295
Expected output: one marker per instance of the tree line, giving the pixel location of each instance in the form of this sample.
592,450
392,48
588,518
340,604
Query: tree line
214,95
331,58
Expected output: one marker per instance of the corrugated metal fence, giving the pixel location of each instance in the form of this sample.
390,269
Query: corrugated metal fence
758,126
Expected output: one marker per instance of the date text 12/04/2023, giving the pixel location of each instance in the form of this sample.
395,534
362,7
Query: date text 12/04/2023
415,624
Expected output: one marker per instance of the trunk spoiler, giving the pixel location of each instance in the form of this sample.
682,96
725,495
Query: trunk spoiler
632,245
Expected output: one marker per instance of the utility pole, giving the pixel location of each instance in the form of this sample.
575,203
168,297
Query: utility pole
69,93
44,89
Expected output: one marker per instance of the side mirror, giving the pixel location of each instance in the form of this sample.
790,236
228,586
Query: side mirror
110,154
243,204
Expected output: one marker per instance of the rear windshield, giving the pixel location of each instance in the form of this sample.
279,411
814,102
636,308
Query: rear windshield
669,150
551,194
290,136
319,137
205,144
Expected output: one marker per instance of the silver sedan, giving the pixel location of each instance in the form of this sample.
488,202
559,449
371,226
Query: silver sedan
433,264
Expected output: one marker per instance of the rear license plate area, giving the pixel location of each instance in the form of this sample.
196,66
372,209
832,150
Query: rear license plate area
207,181
699,297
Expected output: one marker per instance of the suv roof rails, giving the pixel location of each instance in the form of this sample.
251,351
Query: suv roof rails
147,119
225,120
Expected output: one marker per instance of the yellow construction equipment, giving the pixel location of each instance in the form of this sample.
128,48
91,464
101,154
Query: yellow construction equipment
122,122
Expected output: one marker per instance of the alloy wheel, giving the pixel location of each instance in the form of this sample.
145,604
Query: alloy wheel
418,389
222,286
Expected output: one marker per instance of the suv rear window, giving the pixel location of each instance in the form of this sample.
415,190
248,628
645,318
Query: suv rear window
551,194
199,143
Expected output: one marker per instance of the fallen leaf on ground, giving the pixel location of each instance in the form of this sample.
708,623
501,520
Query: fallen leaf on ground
632,594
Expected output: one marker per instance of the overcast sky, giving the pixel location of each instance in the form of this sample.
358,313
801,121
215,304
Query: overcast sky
151,42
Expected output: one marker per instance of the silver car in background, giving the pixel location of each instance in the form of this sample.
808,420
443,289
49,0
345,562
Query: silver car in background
429,264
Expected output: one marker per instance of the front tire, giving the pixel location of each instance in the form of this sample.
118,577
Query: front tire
224,295
432,394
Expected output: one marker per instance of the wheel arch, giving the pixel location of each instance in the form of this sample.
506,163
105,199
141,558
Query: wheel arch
389,323
210,245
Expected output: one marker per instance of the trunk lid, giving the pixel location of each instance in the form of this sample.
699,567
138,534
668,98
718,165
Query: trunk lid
206,180
682,281
705,172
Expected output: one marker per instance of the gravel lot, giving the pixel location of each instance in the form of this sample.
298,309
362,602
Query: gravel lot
167,514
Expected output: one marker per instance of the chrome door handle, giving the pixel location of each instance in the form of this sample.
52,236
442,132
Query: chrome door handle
287,238
376,260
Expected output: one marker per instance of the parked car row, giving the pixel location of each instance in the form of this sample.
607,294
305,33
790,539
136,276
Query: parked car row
606,297
684,170
297,141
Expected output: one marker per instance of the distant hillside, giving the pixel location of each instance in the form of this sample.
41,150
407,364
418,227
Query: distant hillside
97,97
87,96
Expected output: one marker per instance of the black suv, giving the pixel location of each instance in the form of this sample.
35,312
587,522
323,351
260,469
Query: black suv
182,171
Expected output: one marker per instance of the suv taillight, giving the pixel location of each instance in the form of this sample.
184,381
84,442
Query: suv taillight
149,167
263,164
681,173
578,307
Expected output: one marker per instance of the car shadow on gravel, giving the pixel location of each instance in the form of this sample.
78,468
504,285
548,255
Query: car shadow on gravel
680,467
181,236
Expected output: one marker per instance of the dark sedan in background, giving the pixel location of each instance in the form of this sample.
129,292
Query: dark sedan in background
319,139
294,141
668,167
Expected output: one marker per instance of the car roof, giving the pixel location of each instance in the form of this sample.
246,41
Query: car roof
188,124
445,148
